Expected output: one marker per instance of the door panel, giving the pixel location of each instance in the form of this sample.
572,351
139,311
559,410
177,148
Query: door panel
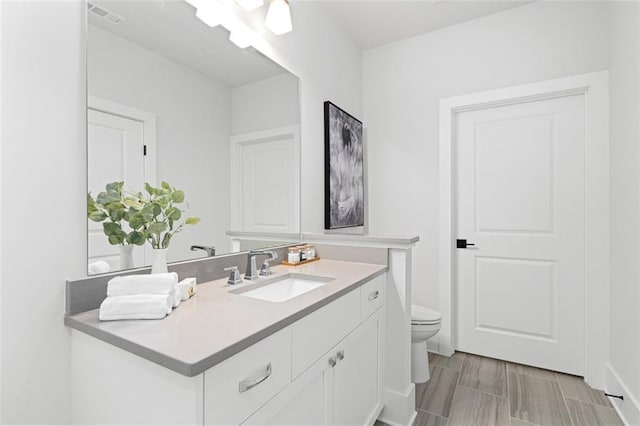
266,176
520,198
514,195
513,280
265,188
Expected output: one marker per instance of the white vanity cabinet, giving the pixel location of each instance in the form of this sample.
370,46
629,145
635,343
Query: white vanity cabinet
323,369
343,385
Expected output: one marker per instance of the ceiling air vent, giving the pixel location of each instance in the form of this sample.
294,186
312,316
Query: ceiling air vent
103,13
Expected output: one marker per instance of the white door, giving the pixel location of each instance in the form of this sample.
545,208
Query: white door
115,153
520,187
265,181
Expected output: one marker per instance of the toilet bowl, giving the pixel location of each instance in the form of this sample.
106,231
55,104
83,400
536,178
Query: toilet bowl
425,323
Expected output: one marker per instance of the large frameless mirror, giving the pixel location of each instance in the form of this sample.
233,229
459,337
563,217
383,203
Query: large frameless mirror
172,100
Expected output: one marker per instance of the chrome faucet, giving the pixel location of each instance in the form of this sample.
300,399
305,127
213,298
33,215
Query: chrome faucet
251,273
211,250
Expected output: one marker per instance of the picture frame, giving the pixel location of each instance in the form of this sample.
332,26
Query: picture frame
343,169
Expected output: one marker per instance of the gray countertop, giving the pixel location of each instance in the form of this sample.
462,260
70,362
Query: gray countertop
216,324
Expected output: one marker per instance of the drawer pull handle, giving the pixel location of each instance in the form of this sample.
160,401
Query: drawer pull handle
247,384
340,355
374,295
332,362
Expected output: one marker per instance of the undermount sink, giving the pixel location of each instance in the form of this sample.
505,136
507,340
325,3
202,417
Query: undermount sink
283,288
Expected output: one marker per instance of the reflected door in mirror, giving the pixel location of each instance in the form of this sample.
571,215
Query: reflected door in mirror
115,153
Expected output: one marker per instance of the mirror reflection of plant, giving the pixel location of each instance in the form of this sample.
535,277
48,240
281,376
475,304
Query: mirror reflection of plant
110,209
157,214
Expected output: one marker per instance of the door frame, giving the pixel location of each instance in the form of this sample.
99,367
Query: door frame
594,88
148,121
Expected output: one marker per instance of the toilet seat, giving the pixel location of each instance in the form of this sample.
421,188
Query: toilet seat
424,316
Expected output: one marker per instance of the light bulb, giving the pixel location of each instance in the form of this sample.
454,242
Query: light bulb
250,4
279,17
241,37
212,13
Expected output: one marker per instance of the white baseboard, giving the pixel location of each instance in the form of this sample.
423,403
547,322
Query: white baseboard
399,408
629,409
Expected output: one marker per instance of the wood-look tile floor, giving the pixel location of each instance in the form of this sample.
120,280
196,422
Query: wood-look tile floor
473,390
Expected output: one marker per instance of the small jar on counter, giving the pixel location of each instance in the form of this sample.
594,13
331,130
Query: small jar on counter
293,255
311,251
303,253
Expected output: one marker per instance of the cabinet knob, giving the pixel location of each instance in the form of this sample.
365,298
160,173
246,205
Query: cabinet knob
332,362
340,355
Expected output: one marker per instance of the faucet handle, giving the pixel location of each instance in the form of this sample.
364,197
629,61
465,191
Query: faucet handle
265,270
234,277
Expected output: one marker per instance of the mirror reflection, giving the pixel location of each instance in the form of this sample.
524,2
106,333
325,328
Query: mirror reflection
172,100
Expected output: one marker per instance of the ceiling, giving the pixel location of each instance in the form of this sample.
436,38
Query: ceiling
171,29
375,23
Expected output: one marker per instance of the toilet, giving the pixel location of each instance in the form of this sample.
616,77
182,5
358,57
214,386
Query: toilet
425,323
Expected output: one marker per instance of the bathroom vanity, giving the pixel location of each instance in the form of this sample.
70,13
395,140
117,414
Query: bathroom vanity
224,357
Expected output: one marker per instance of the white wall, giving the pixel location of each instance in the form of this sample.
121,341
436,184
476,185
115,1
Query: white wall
43,199
328,64
624,299
43,177
404,82
265,104
193,116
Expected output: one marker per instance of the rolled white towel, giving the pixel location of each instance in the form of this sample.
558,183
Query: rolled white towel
136,306
143,284
187,288
98,267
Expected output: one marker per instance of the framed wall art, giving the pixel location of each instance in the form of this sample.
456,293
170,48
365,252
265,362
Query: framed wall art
343,169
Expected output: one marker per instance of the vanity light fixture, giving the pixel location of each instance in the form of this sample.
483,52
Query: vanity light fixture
241,37
213,13
250,5
220,12
279,17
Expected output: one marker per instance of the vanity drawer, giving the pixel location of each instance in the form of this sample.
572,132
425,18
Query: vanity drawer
315,334
371,296
237,387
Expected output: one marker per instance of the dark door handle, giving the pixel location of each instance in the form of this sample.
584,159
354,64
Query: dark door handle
463,244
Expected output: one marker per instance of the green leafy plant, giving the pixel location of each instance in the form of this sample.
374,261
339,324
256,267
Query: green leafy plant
153,217
157,213
109,208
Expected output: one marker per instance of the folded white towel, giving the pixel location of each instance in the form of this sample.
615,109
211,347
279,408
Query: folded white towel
98,267
143,284
176,298
137,306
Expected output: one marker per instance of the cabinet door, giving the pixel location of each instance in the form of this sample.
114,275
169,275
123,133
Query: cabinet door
307,401
356,388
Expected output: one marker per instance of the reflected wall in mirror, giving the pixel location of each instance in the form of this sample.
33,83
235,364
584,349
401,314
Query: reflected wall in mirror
171,99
